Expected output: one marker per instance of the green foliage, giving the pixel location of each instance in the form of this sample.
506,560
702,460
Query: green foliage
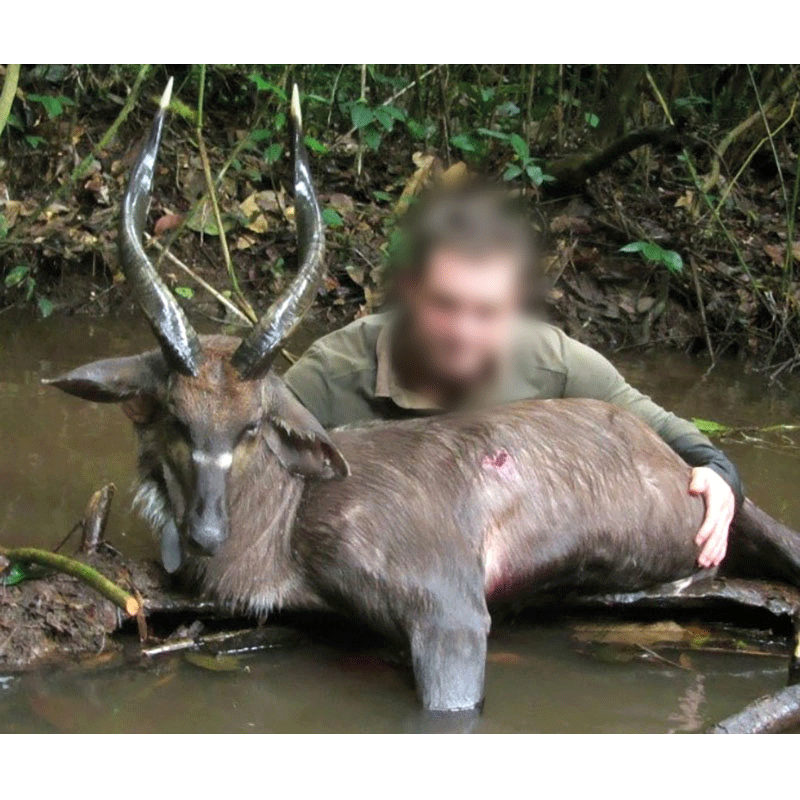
655,254
17,275
22,278
525,166
267,86
184,291
710,427
16,573
54,106
332,218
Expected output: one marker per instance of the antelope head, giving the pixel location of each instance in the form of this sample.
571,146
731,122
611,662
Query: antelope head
201,405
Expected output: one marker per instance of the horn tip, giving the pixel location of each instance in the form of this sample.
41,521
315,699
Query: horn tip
296,113
167,96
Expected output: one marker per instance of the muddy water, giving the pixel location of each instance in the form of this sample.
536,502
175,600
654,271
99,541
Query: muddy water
56,450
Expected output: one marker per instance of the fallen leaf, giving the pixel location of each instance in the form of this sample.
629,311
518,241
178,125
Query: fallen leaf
414,184
167,223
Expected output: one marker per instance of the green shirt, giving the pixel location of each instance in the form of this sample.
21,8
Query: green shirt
347,377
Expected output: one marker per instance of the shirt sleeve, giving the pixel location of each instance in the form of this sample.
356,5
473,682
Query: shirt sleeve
590,374
308,380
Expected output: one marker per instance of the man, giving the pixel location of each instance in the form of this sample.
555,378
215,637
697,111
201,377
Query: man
457,338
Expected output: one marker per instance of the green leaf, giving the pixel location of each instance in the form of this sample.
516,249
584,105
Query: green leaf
15,122
331,218
259,134
267,86
30,287
3,227
465,142
520,147
503,137
279,123
16,276
371,137
535,174
273,153
315,145
184,291
512,171
385,118
633,247
383,197
652,252
416,129
592,120
395,112
361,115
45,306
52,105
709,426
15,574
672,260
34,141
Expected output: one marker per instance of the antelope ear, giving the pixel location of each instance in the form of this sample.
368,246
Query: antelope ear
300,442
114,380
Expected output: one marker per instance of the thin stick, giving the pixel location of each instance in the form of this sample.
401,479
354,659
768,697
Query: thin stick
212,195
69,566
735,179
333,95
769,136
195,277
360,156
130,102
8,94
701,305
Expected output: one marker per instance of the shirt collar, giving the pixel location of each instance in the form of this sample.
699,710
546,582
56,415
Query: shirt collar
387,384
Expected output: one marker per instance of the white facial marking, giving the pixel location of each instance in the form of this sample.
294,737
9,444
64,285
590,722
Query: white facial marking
223,460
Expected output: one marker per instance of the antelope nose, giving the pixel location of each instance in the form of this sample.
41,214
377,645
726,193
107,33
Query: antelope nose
206,539
207,527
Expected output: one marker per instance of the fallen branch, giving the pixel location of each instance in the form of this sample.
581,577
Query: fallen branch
572,172
77,569
774,713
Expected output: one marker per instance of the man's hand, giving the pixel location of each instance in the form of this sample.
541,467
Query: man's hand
720,507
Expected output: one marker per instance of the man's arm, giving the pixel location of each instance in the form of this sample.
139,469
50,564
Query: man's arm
714,476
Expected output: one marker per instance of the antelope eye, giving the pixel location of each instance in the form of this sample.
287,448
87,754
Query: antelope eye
252,429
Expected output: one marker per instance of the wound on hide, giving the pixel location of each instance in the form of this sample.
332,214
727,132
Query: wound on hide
496,461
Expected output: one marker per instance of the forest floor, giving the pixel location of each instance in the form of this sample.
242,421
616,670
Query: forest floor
60,249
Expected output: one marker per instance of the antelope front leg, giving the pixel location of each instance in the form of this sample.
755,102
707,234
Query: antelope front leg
449,658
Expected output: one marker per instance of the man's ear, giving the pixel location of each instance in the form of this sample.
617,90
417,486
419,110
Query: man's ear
134,380
299,441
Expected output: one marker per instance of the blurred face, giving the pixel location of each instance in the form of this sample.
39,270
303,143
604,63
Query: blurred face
462,311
